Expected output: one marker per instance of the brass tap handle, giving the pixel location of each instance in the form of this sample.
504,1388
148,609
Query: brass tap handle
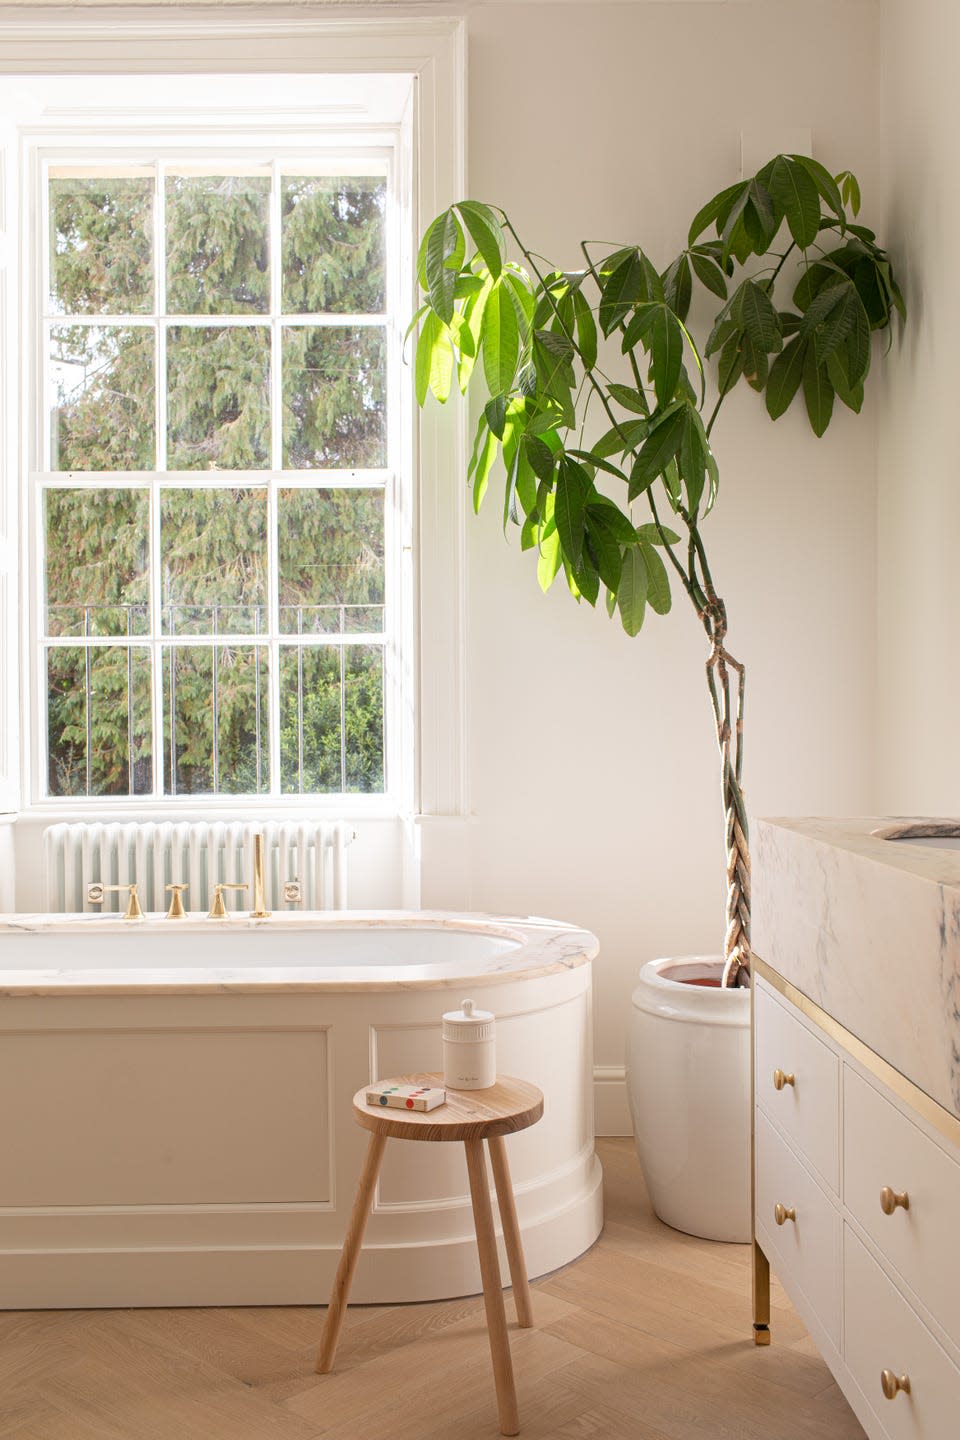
176,911
133,911
783,1077
218,911
890,1199
783,1213
892,1384
259,911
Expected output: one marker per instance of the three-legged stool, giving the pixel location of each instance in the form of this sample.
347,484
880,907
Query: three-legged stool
471,1116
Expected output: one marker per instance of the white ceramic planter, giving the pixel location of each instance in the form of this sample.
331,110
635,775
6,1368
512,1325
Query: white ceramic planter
688,1080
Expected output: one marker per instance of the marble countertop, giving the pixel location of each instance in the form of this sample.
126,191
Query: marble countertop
869,929
93,954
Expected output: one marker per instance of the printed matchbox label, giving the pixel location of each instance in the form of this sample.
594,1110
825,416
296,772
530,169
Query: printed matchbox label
408,1097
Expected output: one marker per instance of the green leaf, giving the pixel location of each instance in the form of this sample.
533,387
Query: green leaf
761,218
604,548
709,274
656,325
540,456
586,330
825,183
678,286
658,582
486,233
754,309
501,340
851,395
589,457
657,451
786,374
817,392
714,209
652,535
495,411
485,462
614,519
445,248
548,565
692,457
849,190
430,337
620,289
574,489
472,324
794,190
730,365
629,398
632,590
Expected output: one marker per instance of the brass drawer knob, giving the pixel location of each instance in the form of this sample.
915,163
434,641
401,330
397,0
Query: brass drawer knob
783,1213
783,1077
891,1384
889,1200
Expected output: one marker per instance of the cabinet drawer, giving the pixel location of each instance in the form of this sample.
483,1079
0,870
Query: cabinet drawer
882,1148
807,1248
807,1106
881,1332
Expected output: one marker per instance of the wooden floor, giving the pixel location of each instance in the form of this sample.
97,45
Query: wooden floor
647,1337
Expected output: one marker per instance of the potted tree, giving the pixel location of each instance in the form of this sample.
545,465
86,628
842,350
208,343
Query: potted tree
796,289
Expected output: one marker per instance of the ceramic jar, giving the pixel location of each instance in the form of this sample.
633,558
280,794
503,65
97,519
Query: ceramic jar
469,1048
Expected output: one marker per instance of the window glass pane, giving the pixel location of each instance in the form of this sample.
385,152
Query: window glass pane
331,719
218,397
334,406
99,720
333,244
97,562
102,397
213,559
331,550
101,242
215,719
217,236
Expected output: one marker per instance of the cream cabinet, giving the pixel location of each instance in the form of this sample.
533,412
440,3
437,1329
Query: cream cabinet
857,1211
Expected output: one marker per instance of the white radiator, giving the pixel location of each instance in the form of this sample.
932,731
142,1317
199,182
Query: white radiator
197,855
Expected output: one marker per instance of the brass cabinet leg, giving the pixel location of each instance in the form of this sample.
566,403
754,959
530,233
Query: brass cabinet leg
761,1296
350,1253
511,1230
492,1289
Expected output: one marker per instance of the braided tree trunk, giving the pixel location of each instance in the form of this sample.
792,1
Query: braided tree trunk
726,679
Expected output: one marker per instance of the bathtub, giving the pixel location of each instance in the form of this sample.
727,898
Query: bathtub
175,1121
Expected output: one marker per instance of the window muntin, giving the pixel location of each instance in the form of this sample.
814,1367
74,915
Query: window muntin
234,549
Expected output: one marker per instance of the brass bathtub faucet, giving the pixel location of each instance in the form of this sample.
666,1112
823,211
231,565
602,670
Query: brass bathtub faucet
259,911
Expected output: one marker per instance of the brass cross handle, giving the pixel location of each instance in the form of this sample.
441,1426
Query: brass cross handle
891,1384
890,1199
218,911
132,912
783,1213
783,1077
176,911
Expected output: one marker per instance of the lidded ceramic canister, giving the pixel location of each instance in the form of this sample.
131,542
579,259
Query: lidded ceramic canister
469,1048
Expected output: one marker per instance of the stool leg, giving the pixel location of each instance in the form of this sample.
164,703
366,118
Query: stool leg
350,1254
511,1230
492,1289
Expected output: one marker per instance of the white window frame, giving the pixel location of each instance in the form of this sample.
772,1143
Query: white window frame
432,722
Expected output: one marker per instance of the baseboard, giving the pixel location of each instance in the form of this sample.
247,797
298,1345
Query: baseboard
611,1108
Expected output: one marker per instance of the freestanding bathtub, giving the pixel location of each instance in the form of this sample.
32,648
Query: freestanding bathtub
175,1117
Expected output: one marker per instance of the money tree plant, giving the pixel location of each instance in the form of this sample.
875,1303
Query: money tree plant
795,288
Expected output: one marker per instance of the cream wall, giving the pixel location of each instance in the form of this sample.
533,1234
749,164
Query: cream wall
593,772
918,492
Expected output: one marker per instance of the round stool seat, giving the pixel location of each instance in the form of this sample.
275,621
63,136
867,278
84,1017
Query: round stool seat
501,1109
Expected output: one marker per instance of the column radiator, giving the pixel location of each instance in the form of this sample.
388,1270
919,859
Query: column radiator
156,855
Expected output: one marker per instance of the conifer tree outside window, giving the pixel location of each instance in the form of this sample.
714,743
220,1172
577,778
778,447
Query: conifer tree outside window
215,501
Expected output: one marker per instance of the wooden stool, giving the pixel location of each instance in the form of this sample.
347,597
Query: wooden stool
471,1116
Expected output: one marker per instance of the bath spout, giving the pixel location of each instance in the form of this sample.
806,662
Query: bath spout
259,911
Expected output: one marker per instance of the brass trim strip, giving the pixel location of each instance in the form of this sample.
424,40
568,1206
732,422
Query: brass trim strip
927,1108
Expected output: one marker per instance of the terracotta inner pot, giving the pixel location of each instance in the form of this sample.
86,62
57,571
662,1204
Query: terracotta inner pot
708,981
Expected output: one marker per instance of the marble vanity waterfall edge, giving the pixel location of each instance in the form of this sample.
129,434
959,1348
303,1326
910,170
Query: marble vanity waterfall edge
869,929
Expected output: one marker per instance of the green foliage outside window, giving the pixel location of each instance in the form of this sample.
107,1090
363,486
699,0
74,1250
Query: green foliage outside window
214,541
